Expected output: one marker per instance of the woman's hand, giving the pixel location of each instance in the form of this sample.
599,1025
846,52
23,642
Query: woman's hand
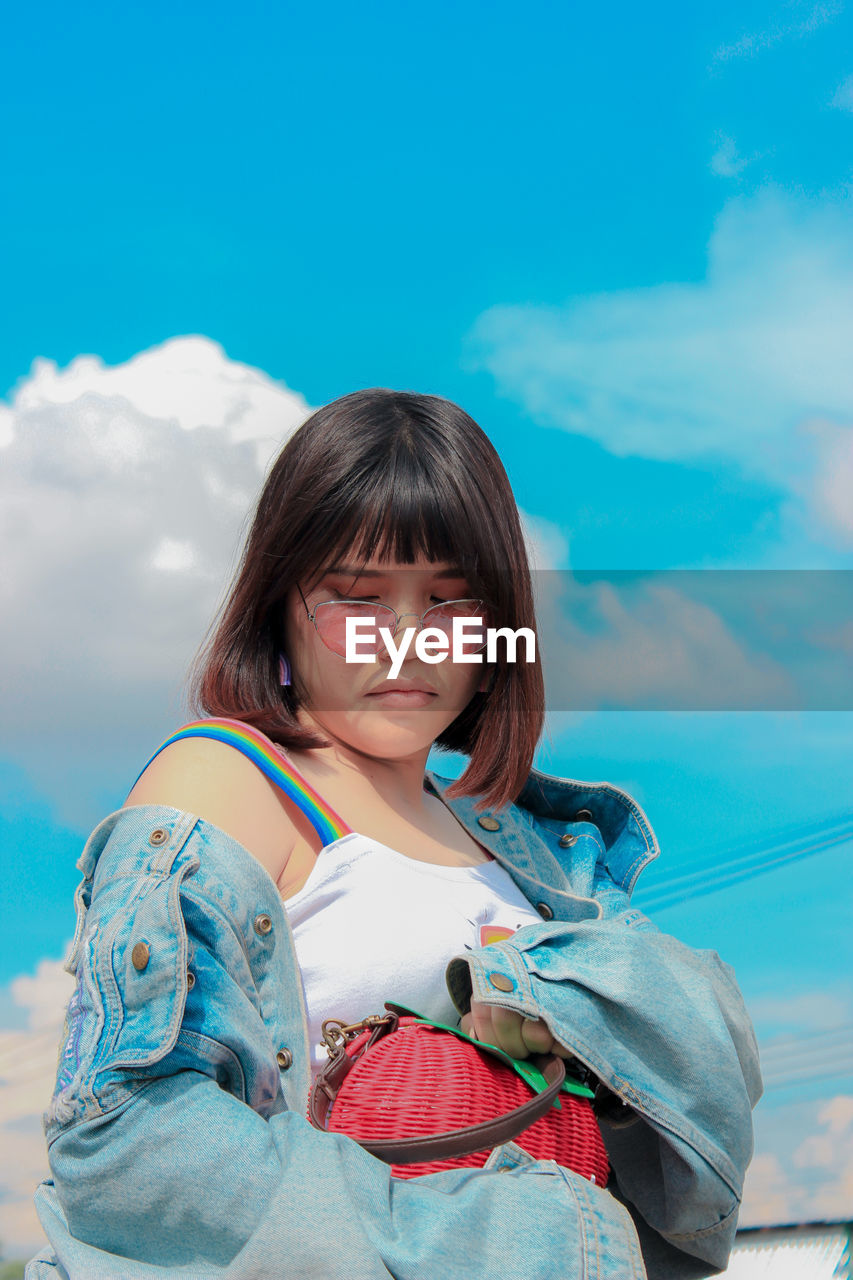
516,1035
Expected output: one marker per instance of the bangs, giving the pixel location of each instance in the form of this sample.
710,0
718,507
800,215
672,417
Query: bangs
400,514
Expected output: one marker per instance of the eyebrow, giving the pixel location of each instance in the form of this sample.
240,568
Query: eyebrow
352,571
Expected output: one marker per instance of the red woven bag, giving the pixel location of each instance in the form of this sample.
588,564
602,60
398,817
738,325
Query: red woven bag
402,1083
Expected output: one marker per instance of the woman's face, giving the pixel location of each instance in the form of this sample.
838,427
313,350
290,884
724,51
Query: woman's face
345,700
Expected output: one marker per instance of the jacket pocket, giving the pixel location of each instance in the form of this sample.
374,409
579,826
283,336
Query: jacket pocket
142,971
130,959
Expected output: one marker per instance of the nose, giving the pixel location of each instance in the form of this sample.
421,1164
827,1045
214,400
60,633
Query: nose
400,616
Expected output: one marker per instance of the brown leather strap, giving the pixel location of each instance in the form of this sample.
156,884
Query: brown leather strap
325,1088
438,1146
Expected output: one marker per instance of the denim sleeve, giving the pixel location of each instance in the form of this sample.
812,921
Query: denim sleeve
665,1028
171,1145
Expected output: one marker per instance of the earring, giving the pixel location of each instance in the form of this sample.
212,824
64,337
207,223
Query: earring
283,669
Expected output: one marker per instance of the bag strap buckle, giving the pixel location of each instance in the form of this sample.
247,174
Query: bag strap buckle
337,1035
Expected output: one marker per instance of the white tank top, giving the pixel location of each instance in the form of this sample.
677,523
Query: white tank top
372,924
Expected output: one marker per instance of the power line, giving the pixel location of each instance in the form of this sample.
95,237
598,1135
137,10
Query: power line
795,1060
764,857
798,1037
809,1053
843,1072
776,843
749,866
802,1069
788,833
840,1053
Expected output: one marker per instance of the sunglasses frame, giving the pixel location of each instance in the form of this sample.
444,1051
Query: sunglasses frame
312,617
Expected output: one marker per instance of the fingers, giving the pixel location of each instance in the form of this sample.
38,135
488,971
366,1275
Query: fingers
507,1029
536,1036
478,1024
516,1035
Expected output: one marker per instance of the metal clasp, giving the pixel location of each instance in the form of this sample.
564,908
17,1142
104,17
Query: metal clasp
337,1035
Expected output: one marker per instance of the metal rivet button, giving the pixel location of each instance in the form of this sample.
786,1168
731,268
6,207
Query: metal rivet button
139,955
501,982
262,924
583,815
190,979
566,841
488,823
158,836
545,911
284,1058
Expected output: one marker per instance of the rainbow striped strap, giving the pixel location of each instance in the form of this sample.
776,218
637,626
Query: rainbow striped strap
258,748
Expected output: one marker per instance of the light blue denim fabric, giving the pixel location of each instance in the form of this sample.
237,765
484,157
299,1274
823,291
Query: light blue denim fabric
179,1146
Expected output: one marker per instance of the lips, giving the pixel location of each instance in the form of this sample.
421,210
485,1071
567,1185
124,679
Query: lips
402,686
402,697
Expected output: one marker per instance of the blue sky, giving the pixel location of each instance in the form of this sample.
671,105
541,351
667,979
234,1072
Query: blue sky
622,240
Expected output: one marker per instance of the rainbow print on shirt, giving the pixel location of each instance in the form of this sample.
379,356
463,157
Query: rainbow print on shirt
494,933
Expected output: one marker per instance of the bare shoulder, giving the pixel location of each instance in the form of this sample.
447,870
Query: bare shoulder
220,785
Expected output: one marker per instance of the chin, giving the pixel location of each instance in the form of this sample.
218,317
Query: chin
391,733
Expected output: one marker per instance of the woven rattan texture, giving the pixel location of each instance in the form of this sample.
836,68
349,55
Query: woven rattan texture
420,1080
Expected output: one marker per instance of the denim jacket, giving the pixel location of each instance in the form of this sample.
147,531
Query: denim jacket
177,1136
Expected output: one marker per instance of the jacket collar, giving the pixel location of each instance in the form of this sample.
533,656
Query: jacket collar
552,803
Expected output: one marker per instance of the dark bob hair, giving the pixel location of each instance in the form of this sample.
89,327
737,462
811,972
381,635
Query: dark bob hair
394,474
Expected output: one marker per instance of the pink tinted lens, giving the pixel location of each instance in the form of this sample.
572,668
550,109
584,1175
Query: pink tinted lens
330,619
442,616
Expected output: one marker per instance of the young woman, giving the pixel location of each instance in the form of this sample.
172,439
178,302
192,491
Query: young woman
220,921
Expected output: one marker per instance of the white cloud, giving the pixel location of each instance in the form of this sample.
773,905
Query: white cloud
829,491
24,1165
123,495
837,1196
726,161
803,1167
44,994
769,1194
815,1153
843,96
647,645
725,370
546,543
837,1115
830,1149
28,1060
809,1011
188,382
173,555
810,18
